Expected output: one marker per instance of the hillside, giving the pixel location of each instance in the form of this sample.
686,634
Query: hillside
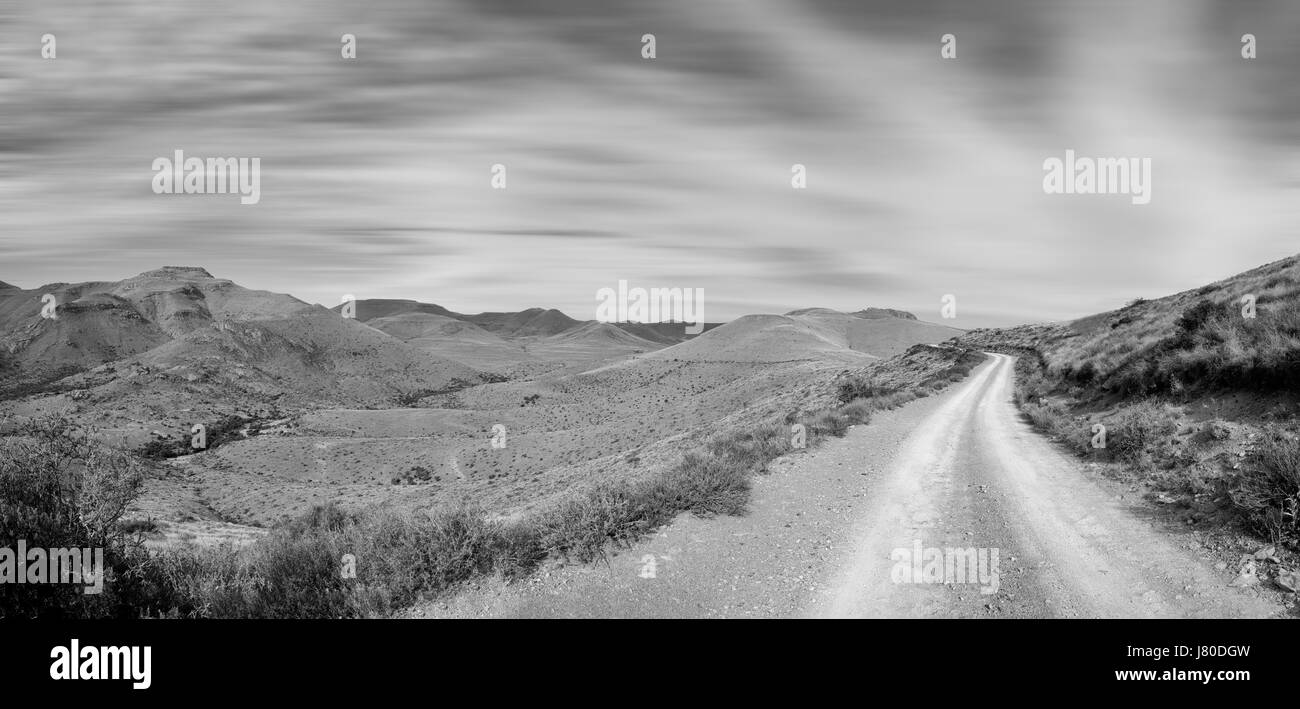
517,343
1189,395
810,333
161,351
1194,342
534,322
398,405
373,308
454,339
99,322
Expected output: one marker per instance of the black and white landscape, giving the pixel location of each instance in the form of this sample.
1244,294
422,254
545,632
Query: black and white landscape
650,310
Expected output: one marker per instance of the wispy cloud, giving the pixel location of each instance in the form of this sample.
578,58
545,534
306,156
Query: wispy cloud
924,174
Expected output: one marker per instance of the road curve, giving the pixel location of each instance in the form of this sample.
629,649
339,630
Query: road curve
974,480
951,506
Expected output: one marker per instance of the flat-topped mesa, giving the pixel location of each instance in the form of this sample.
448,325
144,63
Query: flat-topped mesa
874,313
177,272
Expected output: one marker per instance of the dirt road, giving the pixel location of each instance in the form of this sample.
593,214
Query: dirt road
949,507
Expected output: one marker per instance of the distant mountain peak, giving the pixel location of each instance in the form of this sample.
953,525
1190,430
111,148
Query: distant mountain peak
177,272
4,285
874,313
810,311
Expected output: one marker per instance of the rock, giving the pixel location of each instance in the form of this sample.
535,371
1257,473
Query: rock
1246,576
1288,579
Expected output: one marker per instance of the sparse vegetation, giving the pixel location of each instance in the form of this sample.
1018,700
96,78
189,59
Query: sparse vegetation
416,475
1267,490
296,570
860,388
224,430
59,488
1149,371
138,526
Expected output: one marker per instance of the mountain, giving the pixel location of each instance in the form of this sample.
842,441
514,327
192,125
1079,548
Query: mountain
498,339
534,322
372,308
592,340
182,324
451,338
99,322
665,333
809,333
876,313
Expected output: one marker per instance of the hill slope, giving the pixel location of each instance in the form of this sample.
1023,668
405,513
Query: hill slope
1197,340
1187,395
810,333
451,338
180,324
501,339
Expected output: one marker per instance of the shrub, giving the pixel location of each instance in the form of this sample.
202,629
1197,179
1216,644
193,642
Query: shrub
829,423
224,430
138,526
860,388
1267,490
1047,416
61,488
296,571
1195,317
1132,433
752,450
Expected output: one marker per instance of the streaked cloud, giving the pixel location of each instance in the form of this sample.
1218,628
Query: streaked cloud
924,175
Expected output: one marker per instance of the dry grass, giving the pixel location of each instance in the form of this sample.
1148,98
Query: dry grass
297,570
1267,491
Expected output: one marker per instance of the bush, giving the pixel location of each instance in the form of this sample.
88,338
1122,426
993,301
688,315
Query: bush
752,450
1195,317
858,411
860,388
1134,432
60,488
224,430
829,423
1216,348
296,571
1044,416
1267,490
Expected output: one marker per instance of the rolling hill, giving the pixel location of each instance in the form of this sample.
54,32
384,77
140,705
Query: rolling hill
521,337
810,333
451,338
1199,340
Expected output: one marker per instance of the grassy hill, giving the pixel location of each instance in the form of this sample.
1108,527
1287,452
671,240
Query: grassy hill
1198,394
809,333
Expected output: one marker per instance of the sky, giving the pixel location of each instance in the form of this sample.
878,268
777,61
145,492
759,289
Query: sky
924,174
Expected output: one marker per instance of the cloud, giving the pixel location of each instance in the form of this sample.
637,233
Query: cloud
924,174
